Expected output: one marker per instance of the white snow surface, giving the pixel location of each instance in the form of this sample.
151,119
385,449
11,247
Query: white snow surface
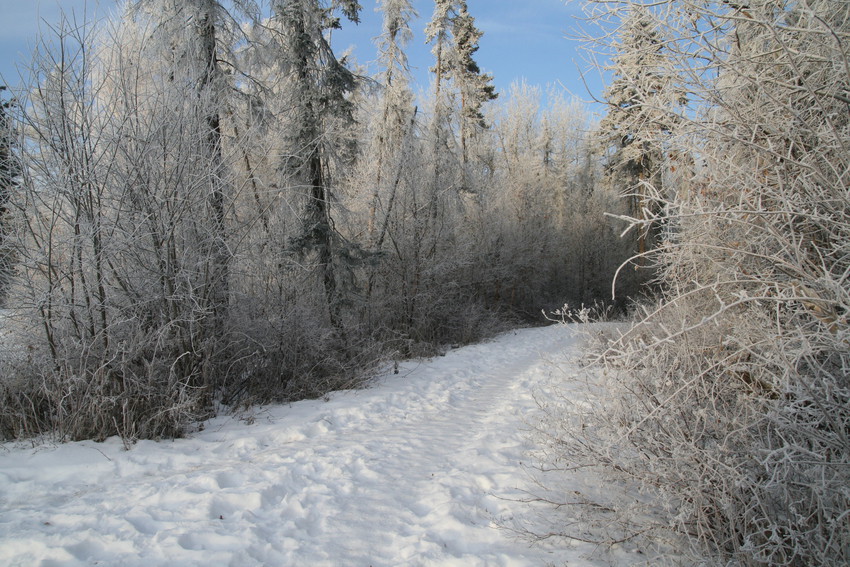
424,467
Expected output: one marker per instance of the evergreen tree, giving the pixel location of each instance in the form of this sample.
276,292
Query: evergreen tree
438,32
319,86
475,87
639,100
9,171
454,35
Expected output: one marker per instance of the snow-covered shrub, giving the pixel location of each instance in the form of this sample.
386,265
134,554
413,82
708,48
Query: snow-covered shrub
729,400
121,272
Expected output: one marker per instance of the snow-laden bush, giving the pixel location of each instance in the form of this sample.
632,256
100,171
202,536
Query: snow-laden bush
729,400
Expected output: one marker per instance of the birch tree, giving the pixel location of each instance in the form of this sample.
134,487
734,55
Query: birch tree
397,112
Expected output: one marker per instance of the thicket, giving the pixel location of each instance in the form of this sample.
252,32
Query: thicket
728,400
212,210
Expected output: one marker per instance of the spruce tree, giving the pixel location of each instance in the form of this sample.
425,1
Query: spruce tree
9,171
319,87
475,87
638,120
455,41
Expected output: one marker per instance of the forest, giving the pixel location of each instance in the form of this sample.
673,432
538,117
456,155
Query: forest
203,207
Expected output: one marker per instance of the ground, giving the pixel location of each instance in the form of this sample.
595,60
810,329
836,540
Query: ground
429,466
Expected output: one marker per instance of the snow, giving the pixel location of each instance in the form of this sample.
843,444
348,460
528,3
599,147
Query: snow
425,467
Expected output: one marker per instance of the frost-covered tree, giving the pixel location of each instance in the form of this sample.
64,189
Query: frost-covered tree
640,103
476,88
9,174
438,32
730,397
396,112
189,32
318,85
455,39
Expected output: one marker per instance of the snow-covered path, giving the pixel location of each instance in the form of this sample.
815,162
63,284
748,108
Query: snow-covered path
419,469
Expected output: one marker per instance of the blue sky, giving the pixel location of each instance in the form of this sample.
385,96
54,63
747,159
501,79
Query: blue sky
523,39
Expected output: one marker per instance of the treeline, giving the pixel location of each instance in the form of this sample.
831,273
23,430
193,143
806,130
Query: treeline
203,205
728,402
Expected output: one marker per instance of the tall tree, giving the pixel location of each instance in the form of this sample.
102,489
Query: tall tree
319,86
396,103
639,101
191,30
454,35
475,87
9,171
438,32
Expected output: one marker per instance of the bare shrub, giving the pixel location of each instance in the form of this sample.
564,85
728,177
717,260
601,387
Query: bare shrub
121,273
728,400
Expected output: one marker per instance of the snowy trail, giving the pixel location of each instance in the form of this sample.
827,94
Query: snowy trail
416,470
